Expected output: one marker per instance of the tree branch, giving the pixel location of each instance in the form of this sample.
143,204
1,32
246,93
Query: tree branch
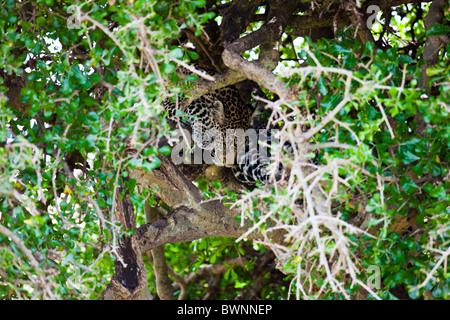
202,87
130,280
21,245
233,25
163,283
191,217
187,224
433,43
278,17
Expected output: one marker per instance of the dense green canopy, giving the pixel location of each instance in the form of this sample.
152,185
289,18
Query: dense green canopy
91,205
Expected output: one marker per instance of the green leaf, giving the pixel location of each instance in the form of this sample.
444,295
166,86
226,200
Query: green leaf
368,49
177,53
95,77
433,71
406,59
194,55
66,87
437,30
101,202
329,102
156,163
414,293
372,205
165,150
92,116
374,222
438,192
68,259
199,3
408,185
91,140
168,68
90,102
409,157
322,88
341,49
216,184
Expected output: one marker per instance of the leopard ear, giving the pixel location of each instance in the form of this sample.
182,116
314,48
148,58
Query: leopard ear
218,112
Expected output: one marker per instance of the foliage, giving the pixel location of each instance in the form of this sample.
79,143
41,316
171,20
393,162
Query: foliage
359,163
92,90
66,220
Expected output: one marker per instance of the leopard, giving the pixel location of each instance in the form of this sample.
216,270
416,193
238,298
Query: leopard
213,118
252,160
217,119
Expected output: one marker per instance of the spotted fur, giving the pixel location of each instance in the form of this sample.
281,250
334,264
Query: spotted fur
210,116
252,160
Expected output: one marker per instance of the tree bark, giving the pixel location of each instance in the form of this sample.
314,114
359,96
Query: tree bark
191,216
130,280
434,43
158,260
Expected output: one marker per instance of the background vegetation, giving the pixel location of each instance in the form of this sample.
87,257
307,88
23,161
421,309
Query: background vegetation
85,185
